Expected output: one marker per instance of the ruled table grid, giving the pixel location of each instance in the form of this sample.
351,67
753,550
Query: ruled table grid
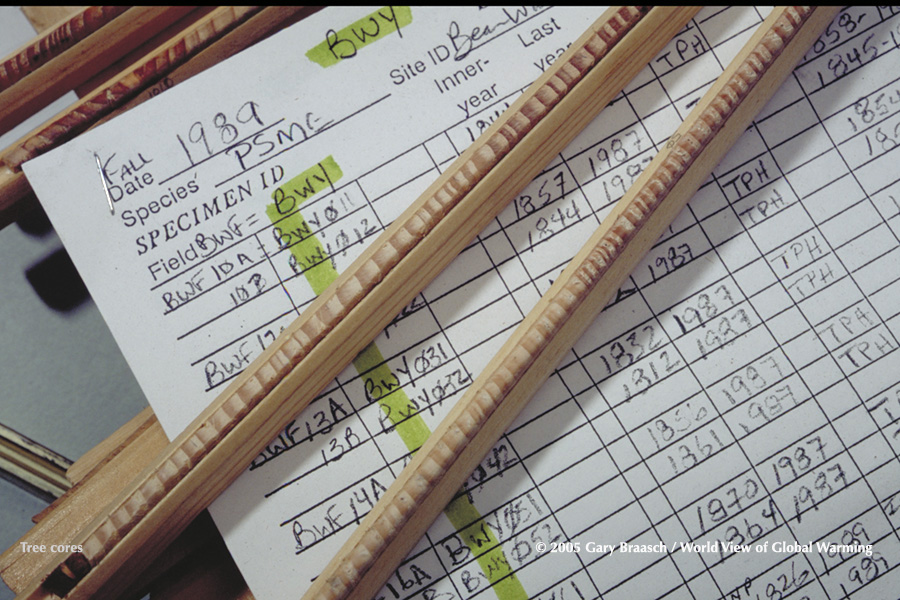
741,388
721,335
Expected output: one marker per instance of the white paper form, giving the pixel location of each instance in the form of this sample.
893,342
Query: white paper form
740,392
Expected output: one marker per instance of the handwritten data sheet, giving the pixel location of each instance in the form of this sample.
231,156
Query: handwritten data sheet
728,428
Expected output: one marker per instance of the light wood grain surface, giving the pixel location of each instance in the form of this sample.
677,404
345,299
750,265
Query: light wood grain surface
43,81
228,435
576,297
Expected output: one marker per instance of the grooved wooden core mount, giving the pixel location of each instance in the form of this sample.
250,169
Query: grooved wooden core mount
479,418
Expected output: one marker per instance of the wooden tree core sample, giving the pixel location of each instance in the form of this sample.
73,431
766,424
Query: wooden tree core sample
44,17
339,323
576,297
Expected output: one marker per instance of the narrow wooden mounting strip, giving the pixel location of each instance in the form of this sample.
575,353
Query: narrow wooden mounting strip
289,350
484,412
226,437
120,89
83,60
59,39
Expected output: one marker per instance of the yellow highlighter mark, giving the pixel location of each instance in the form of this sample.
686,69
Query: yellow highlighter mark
345,43
385,388
477,535
461,512
290,195
381,383
311,257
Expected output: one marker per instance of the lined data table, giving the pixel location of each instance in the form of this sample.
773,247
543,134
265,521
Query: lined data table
728,428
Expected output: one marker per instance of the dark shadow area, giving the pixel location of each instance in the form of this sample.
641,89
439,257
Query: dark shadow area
57,282
35,222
